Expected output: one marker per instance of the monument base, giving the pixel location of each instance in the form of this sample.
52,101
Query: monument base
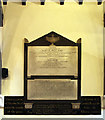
87,105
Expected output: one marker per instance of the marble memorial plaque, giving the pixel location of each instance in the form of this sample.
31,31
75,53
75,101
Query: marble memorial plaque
52,60
52,89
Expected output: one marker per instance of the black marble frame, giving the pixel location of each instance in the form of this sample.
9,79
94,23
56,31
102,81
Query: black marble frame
41,42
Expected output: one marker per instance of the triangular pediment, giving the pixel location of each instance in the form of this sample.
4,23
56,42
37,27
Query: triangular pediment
52,38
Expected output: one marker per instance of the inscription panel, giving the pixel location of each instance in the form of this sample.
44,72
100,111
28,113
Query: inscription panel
52,89
89,105
52,60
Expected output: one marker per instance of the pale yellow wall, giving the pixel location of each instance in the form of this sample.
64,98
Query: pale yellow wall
72,21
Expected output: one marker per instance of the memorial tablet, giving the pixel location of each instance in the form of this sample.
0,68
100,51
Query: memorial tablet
53,60
52,69
52,89
52,80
